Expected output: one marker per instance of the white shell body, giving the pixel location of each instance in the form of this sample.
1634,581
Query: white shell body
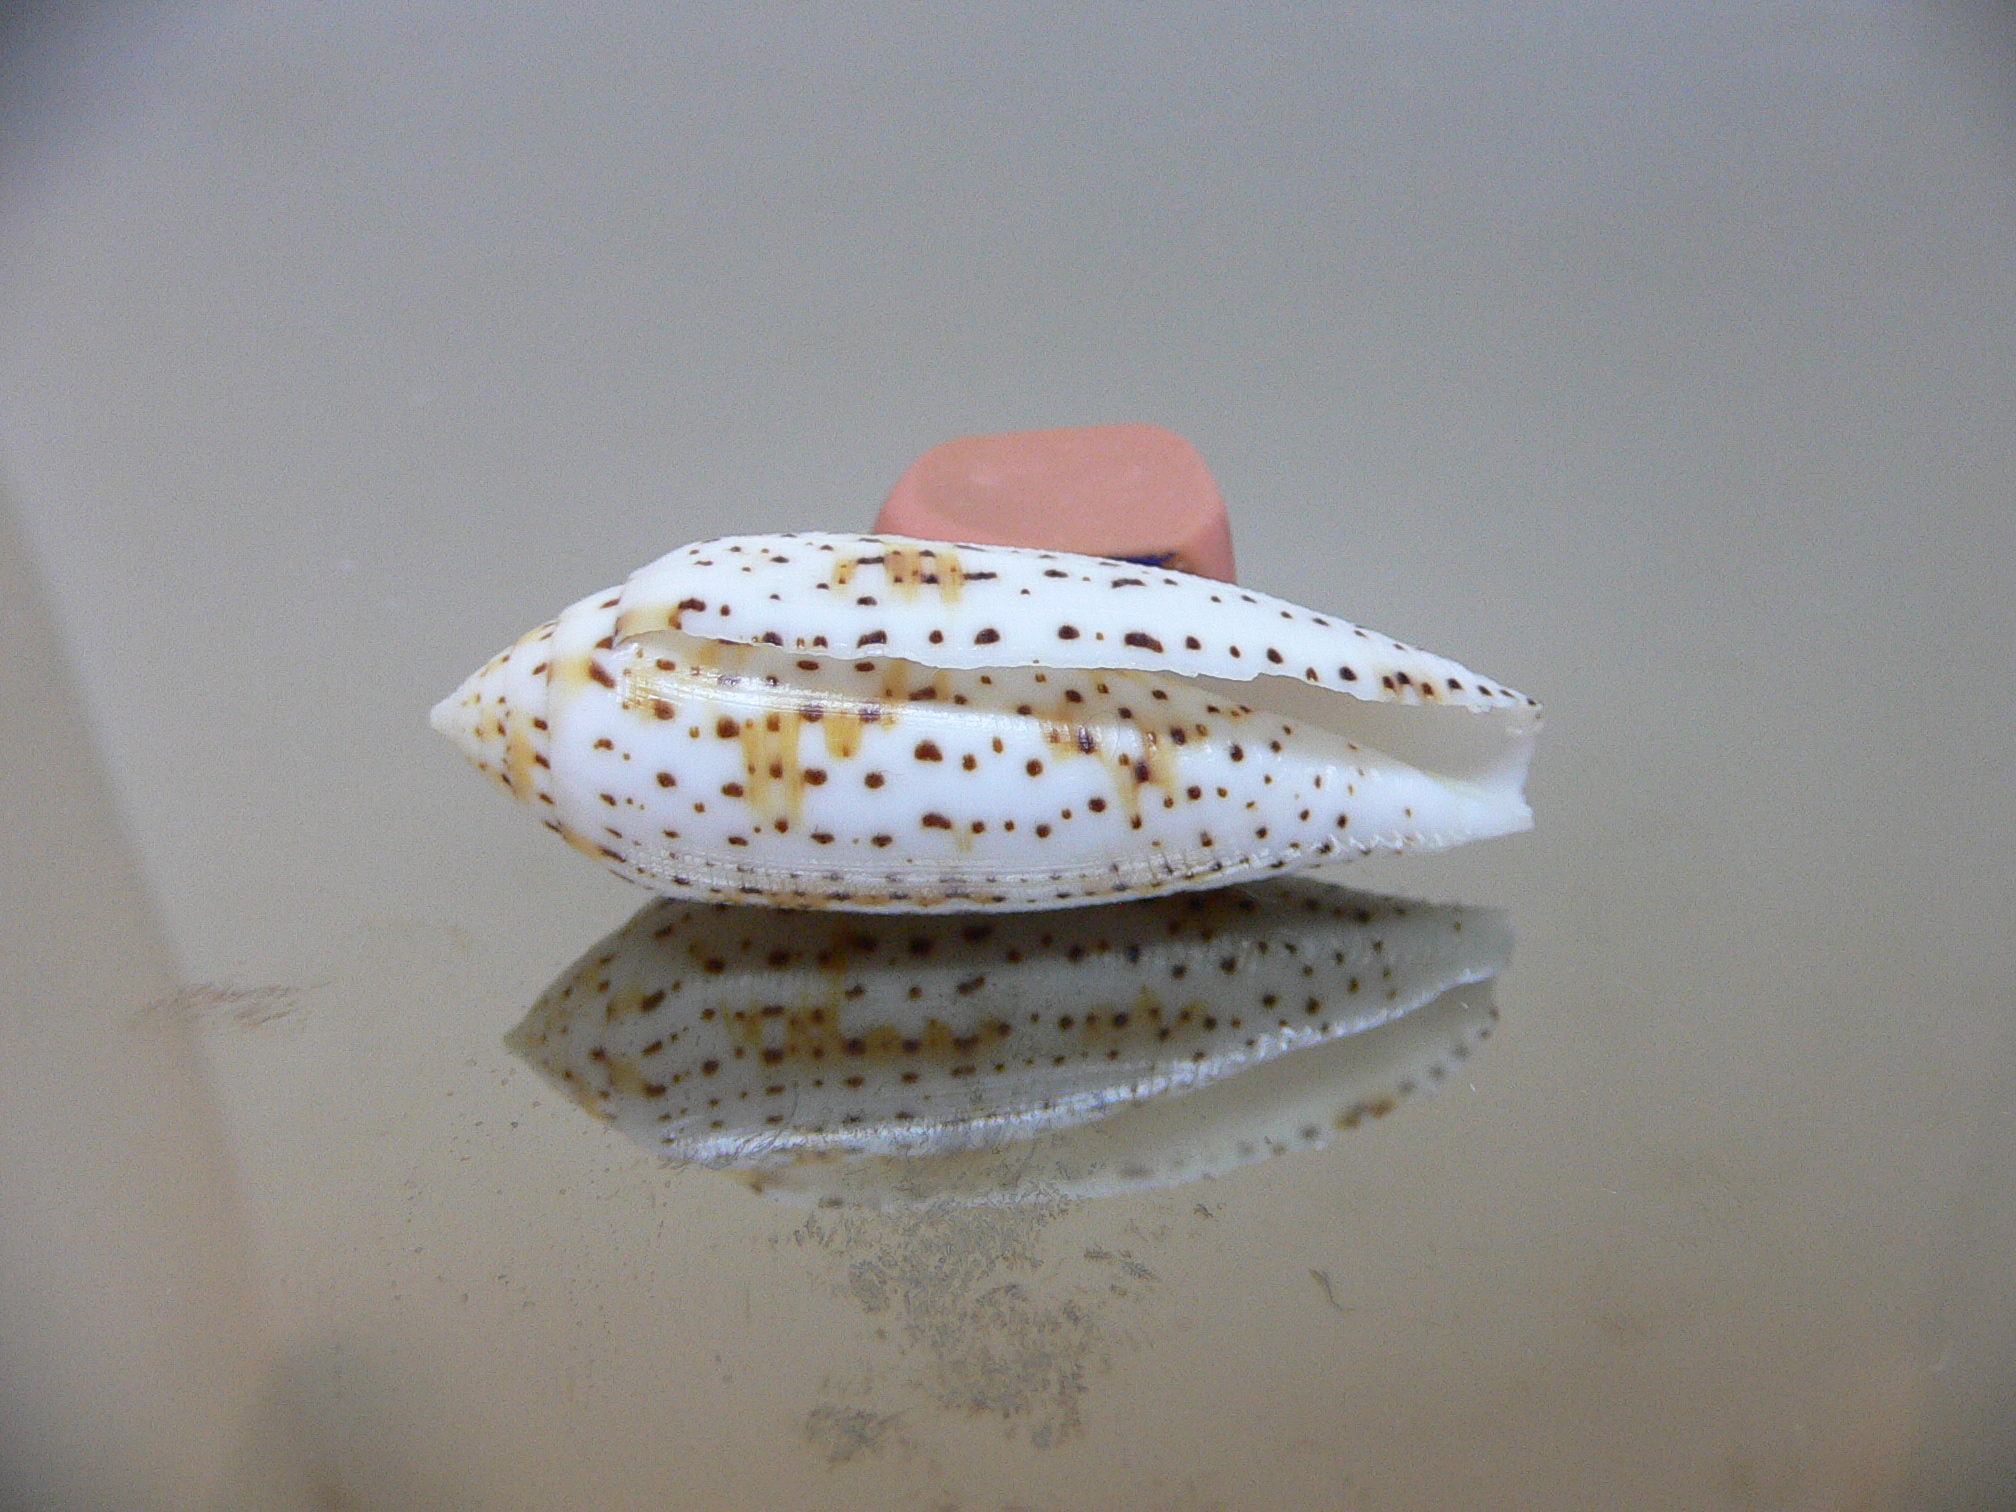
746,1036
879,724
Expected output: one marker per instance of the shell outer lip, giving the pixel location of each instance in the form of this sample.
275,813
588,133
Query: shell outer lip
912,585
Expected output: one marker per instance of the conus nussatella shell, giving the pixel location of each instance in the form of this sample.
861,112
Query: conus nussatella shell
879,724
747,1036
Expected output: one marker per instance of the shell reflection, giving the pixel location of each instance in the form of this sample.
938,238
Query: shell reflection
745,1037
1291,1102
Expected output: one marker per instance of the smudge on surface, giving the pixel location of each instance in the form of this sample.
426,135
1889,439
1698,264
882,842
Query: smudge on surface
983,1317
212,1006
840,1434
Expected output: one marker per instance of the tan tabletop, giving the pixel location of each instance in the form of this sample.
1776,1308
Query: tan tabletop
1656,363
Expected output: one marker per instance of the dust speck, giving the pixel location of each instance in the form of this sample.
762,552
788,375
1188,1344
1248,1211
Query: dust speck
841,1433
1322,1279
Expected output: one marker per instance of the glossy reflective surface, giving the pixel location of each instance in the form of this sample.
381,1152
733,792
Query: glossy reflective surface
1658,364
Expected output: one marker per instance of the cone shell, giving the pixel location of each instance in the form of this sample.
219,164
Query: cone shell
880,724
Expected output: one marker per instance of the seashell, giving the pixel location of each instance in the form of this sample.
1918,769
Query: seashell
1284,1105
881,724
744,1036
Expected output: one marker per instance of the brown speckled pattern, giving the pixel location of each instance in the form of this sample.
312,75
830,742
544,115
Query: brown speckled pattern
884,725
732,1035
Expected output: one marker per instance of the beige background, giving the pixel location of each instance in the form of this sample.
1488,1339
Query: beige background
1657,361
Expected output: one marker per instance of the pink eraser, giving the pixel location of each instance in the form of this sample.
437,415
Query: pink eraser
1132,491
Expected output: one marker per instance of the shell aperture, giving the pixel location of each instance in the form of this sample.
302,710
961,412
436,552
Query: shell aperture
745,1037
877,724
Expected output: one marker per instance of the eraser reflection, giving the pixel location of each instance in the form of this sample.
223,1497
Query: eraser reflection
872,1059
